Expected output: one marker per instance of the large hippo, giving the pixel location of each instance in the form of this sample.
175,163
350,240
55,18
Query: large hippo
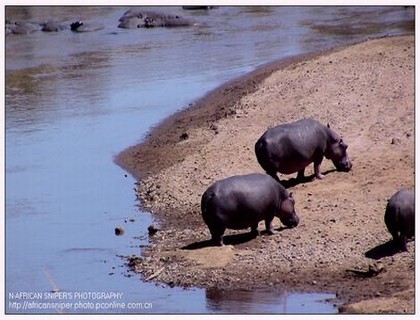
399,217
138,18
290,148
240,202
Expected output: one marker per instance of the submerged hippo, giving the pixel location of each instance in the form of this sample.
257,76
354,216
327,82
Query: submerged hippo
137,18
240,202
290,148
198,7
399,217
20,27
81,26
52,26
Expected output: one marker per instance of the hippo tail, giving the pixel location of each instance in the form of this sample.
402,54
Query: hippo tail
207,205
264,158
391,219
261,152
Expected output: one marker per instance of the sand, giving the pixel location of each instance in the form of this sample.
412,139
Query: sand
366,93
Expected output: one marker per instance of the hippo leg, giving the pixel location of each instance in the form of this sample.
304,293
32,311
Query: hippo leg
217,235
317,169
401,242
269,226
254,231
273,174
395,235
301,175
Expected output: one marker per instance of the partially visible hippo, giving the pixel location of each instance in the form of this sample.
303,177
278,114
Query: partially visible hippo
399,217
198,7
52,26
20,27
137,18
290,148
76,25
81,26
240,202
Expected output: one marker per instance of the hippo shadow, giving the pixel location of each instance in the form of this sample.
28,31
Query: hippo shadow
281,228
292,182
233,239
386,249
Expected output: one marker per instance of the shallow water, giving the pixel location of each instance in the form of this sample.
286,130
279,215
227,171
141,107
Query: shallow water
73,101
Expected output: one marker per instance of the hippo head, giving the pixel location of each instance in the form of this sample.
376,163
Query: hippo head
287,214
75,25
337,152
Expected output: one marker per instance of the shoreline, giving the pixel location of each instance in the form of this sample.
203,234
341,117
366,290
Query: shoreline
366,92
216,104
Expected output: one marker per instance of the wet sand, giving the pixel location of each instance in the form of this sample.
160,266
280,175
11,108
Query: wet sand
366,93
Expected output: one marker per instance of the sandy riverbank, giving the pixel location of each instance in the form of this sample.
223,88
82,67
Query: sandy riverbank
366,93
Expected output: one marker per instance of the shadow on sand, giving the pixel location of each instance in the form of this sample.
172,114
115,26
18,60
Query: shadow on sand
233,239
292,182
383,250
227,240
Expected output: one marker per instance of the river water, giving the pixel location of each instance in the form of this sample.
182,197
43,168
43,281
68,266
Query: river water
74,100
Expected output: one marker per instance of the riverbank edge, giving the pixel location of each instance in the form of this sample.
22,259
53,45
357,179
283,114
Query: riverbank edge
218,103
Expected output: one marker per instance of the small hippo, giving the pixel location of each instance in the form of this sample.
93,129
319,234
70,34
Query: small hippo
240,202
399,217
138,18
290,148
52,26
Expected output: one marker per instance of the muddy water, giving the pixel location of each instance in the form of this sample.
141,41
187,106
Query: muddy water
74,100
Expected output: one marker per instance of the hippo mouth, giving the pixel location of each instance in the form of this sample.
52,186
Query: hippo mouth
344,167
291,223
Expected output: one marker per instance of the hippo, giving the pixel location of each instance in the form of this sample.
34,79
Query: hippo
137,18
52,26
399,217
198,7
20,27
80,26
289,148
242,201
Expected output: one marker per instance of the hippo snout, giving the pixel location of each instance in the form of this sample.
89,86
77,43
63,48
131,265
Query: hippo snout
344,166
291,222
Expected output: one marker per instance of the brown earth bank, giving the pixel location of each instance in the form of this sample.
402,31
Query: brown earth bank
366,93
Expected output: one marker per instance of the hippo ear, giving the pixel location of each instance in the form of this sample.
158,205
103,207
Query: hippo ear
291,194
